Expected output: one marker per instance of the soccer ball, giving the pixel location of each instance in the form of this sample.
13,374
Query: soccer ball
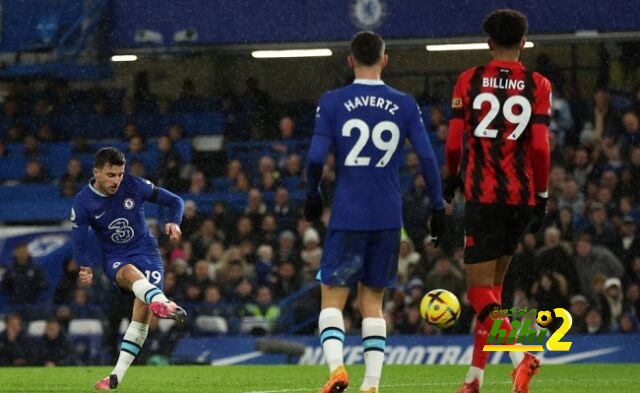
440,308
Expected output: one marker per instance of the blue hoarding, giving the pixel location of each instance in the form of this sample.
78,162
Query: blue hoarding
609,348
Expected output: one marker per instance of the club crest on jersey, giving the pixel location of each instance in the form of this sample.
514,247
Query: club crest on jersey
368,14
456,102
129,203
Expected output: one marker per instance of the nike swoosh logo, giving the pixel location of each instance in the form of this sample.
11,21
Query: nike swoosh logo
99,215
574,357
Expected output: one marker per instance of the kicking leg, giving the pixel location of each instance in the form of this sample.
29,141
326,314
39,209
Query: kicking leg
374,335
130,278
331,327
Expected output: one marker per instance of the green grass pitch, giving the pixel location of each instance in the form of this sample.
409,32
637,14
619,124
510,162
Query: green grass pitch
599,378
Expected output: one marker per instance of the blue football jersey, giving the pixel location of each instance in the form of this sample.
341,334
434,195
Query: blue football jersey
367,124
118,220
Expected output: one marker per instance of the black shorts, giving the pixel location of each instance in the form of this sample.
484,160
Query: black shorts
493,230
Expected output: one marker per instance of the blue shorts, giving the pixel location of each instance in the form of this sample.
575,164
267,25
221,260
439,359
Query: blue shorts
150,265
369,257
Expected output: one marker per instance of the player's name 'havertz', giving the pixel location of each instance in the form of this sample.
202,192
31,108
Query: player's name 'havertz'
372,101
502,83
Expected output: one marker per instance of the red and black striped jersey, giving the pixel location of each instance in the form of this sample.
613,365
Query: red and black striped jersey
499,125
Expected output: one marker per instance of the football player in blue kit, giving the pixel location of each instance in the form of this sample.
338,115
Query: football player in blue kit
112,205
366,124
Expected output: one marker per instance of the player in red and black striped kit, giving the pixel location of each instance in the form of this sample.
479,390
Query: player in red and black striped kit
498,152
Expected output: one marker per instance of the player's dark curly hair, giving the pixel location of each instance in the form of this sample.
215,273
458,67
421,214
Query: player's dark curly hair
367,47
110,156
506,27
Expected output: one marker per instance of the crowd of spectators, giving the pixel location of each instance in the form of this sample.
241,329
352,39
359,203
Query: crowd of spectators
235,264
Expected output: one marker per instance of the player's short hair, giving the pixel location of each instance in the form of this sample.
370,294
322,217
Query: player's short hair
108,156
367,47
506,27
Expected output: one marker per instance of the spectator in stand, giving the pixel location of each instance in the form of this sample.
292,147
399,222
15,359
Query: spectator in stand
263,307
583,166
605,119
243,292
564,223
242,182
244,232
266,165
256,209
293,166
31,146
23,281
176,133
137,168
446,276
213,304
284,212
75,174
286,280
592,260
198,183
79,145
80,307
416,209
268,231
14,350
557,179
630,136
55,349
411,163
628,243
594,322
204,237
269,183
15,133
571,197
578,311
601,231
191,220
550,291
628,185
42,107
614,301
632,299
627,324
265,267
287,247
201,277
234,167
136,146
224,218
555,258
68,283
287,131
130,130
311,251
561,120
172,287
634,157
45,134
163,105
11,108
407,256
170,162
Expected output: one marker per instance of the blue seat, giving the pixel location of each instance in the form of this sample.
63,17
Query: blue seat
12,168
45,208
291,182
221,184
183,147
28,192
200,123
